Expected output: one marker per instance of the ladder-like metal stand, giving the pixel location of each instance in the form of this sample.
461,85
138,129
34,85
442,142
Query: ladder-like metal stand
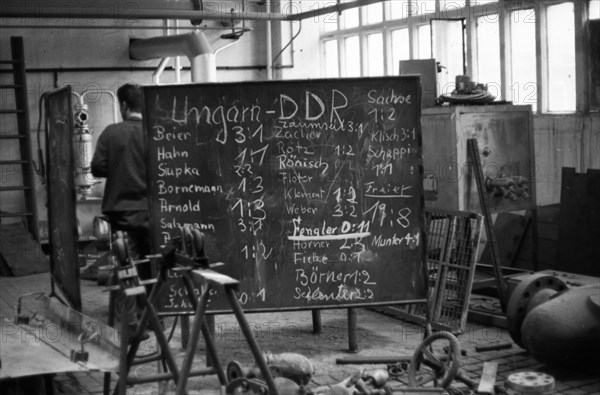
25,161
193,267
129,282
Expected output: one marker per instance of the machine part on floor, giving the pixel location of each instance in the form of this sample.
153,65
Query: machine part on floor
376,378
530,293
419,391
246,386
344,387
292,366
397,370
494,347
236,370
530,382
442,369
358,360
361,388
565,329
374,382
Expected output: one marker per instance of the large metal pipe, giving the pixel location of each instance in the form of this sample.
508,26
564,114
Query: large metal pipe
193,45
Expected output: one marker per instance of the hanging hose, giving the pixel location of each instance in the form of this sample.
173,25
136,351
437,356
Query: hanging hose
40,169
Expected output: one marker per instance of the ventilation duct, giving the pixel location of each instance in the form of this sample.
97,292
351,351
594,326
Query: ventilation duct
194,45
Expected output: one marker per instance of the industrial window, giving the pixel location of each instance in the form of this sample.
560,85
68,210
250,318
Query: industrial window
350,18
330,49
523,81
424,42
488,53
525,51
560,31
375,54
400,48
373,13
595,9
421,7
352,57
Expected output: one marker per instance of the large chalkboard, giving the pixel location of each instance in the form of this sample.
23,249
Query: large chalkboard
62,217
310,192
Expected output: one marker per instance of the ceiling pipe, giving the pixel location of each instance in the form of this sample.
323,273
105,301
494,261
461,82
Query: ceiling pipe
193,45
158,72
89,9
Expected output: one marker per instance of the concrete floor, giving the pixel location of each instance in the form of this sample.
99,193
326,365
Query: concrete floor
378,335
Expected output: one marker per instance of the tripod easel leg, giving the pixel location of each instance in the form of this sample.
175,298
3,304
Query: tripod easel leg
199,325
258,356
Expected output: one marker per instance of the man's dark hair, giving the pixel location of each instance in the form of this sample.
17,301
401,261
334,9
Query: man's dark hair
132,95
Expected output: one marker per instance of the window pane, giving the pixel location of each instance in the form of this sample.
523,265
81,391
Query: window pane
595,9
374,13
453,4
447,38
399,9
350,17
352,57
421,7
400,49
330,21
488,54
523,87
561,57
424,42
452,9
331,59
375,54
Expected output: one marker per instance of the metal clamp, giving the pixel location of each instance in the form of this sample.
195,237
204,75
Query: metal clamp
23,319
82,355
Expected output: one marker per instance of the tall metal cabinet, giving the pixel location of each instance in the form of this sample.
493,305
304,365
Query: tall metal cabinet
504,135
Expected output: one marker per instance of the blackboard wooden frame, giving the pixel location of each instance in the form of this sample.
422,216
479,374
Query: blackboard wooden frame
387,106
62,196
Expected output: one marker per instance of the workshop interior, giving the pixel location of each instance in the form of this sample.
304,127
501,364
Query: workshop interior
342,197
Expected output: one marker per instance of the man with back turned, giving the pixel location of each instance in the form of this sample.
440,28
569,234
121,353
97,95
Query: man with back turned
120,156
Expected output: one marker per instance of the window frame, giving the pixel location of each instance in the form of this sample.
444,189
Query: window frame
471,12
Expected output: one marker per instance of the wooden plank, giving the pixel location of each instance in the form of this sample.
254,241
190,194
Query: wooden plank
488,378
